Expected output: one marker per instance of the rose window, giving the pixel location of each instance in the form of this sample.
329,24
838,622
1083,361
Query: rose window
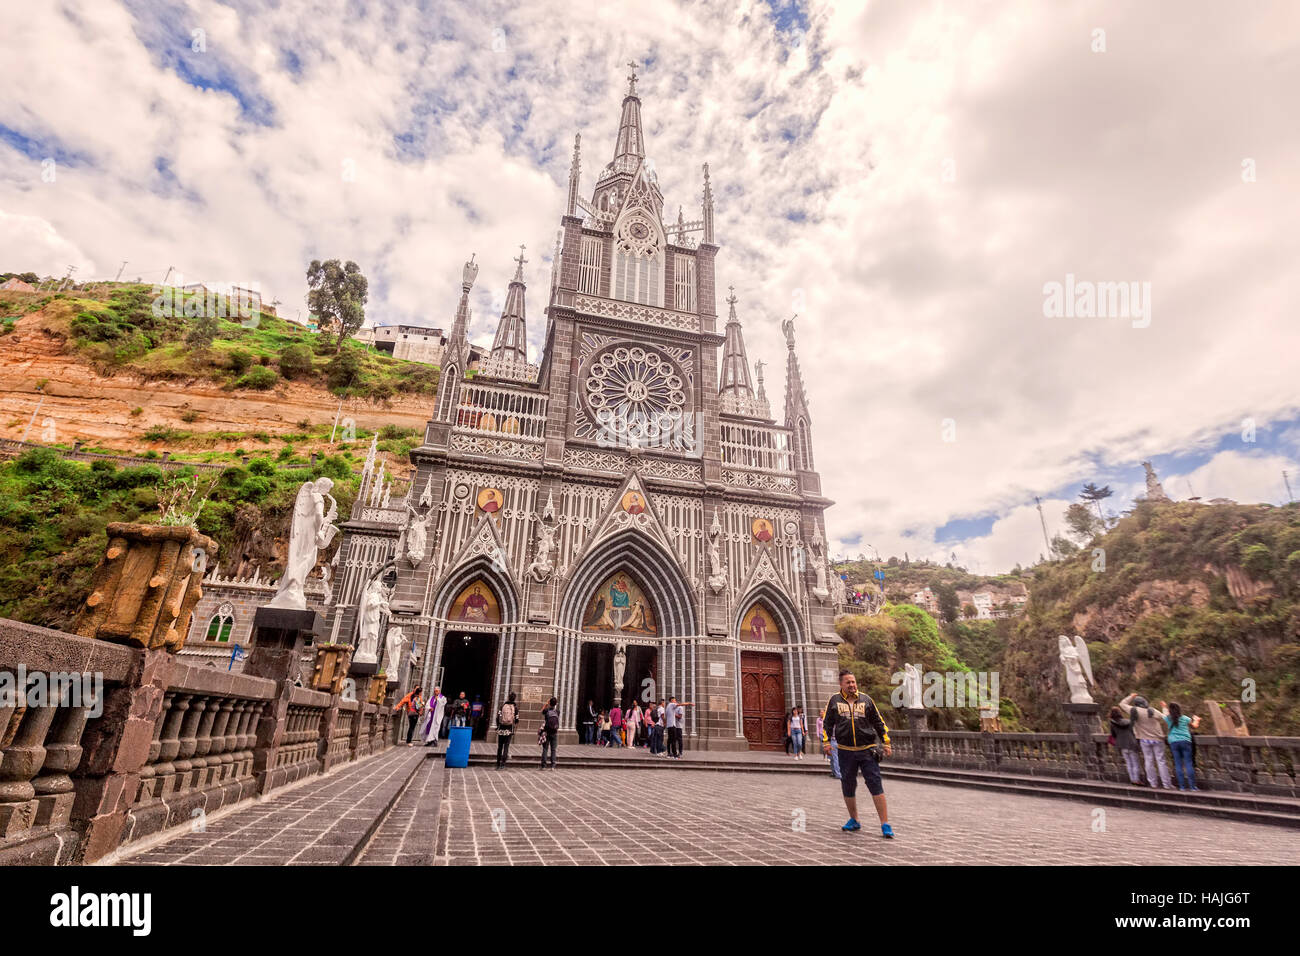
635,389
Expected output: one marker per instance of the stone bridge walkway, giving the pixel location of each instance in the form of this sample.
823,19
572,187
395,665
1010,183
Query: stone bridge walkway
400,808
322,821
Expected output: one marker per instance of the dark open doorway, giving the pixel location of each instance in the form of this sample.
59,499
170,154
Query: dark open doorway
596,677
469,665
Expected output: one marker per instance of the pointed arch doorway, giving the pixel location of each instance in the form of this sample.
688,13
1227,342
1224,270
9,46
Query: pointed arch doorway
619,617
762,680
470,654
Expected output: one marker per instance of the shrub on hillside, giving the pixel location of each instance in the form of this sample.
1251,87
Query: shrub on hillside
254,489
259,378
296,361
343,370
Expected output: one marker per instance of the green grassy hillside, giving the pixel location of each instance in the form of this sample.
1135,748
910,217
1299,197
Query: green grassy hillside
116,327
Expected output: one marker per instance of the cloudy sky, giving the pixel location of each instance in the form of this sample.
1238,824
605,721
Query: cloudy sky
906,176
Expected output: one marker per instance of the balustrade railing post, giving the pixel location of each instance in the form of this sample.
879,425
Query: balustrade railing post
23,760
143,593
989,750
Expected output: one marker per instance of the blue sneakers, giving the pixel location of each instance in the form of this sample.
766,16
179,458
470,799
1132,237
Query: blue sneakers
886,831
852,825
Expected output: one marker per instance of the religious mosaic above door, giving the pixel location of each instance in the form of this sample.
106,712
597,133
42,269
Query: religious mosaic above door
759,626
476,605
619,605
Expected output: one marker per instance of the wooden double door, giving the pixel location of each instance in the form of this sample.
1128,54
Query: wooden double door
762,700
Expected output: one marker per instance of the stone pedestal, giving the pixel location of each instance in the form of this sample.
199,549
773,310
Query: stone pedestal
1083,721
278,638
918,721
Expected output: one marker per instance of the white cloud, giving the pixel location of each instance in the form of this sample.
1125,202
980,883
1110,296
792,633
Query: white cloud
921,297
1237,475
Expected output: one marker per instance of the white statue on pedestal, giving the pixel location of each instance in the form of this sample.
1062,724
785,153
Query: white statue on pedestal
821,592
312,530
541,567
417,535
393,642
620,667
370,616
1078,669
911,687
838,591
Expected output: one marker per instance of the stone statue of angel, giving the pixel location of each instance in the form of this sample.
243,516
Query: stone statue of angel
393,642
312,530
911,687
1078,669
541,566
370,616
417,534
717,569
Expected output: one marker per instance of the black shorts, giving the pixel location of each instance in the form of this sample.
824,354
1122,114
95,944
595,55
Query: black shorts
853,760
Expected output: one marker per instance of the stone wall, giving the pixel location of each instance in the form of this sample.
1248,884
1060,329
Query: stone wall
107,737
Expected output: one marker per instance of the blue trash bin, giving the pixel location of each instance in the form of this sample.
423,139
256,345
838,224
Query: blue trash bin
458,746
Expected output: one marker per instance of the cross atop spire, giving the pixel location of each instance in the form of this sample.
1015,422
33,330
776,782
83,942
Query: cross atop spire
631,79
734,381
511,343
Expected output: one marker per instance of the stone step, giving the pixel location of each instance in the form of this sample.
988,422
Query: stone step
1249,810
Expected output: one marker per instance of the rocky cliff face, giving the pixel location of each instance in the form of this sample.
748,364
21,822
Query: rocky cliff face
82,402
1198,602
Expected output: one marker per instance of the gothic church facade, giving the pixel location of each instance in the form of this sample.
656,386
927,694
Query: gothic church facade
626,518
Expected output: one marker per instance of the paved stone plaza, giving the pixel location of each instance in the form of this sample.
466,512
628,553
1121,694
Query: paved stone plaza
587,817
523,816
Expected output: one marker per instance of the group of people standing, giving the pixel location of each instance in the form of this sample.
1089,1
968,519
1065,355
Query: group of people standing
1140,732
439,714
655,727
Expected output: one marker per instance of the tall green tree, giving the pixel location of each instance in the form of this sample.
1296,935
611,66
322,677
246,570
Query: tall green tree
1095,495
1083,526
949,604
337,294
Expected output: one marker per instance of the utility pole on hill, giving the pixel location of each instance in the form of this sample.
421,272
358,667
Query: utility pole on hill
118,277
1046,541
1289,497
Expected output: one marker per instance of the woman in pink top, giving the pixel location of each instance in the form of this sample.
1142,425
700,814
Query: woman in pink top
631,719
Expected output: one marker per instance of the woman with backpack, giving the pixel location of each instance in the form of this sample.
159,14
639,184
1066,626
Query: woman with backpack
1121,736
1180,743
507,717
548,735
411,705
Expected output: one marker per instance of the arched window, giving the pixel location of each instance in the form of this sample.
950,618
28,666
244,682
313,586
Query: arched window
638,267
221,624
805,446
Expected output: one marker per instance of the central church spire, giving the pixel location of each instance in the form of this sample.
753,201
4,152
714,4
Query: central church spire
630,146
